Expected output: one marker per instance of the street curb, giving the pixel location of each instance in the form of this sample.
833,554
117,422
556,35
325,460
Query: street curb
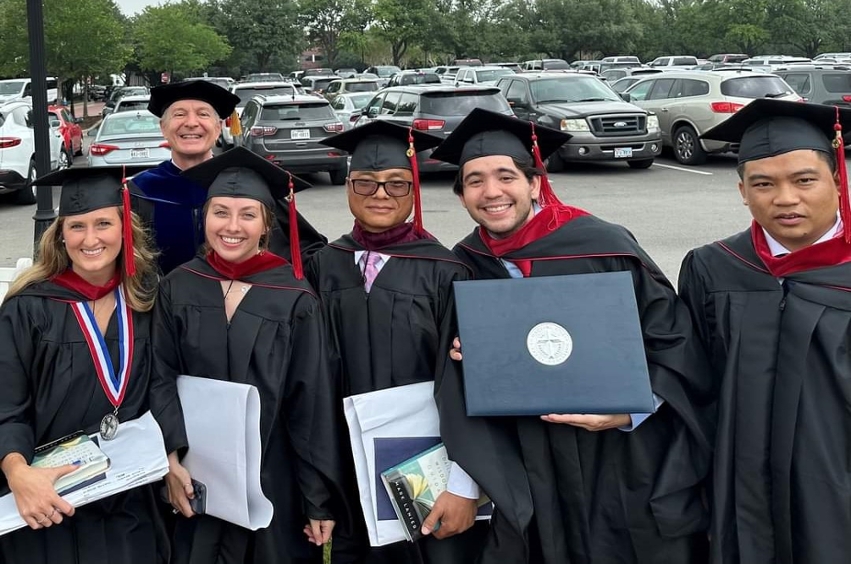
95,126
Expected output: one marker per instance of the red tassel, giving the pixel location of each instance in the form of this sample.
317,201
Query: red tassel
547,196
295,246
844,203
129,254
415,170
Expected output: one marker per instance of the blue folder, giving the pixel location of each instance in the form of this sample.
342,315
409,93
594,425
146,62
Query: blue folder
553,344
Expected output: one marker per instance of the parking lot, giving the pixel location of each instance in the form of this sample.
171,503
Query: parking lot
669,208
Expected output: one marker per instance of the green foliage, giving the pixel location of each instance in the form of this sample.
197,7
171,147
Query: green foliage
403,23
264,33
82,38
188,44
326,20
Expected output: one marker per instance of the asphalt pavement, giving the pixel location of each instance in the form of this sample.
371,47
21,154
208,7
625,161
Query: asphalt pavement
670,208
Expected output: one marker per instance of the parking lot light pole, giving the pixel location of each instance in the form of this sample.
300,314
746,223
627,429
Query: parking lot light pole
44,214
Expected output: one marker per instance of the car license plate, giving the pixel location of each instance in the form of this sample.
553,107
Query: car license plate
139,154
623,152
300,134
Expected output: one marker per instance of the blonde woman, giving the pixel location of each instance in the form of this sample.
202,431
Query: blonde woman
75,355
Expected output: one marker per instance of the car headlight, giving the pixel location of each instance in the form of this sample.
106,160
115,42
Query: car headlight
652,122
574,125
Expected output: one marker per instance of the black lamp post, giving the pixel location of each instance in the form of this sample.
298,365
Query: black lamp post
45,213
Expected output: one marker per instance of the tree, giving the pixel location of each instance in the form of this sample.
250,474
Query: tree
81,39
326,20
263,32
403,23
187,46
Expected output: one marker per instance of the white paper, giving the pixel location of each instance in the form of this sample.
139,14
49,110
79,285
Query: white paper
403,411
137,455
223,429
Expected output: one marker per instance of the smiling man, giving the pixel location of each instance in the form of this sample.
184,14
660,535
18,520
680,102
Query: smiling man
191,116
386,289
773,306
590,489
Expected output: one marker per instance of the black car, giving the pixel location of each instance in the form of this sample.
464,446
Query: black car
435,109
604,127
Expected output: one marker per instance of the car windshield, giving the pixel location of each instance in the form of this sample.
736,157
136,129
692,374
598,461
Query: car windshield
461,103
246,94
755,87
297,112
574,89
131,124
360,100
7,88
554,65
386,72
361,87
132,106
322,83
839,82
141,91
492,75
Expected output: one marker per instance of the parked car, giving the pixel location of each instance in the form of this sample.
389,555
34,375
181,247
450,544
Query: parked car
622,84
384,72
318,71
248,90
613,75
621,59
224,81
128,138
728,58
287,132
407,78
317,84
820,84
264,77
481,75
689,103
435,109
132,103
513,66
586,65
832,56
468,62
21,89
609,65
349,85
71,132
679,62
120,92
17,151
349,107
545,64
446,73
346,73
603,126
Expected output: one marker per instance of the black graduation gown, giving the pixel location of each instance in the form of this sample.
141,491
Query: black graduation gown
49,390
782,472
275,341
566,495
172,206
392,336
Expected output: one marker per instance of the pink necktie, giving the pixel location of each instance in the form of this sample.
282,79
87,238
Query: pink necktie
370,269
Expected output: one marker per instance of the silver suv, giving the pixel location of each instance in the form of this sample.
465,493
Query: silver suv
286,130
689,103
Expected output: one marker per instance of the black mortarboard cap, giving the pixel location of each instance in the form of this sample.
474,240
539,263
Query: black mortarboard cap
767,128
87,189
163,96
239,173
484,133
380,145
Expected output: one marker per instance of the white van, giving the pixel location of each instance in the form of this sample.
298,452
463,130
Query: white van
21,88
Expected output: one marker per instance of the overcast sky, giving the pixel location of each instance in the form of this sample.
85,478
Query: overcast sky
132,7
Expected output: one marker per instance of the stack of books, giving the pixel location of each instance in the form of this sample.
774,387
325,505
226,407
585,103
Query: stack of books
78,449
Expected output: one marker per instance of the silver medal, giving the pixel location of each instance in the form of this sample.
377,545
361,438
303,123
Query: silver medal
109,426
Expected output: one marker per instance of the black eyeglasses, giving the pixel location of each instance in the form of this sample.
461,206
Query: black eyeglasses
395,188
